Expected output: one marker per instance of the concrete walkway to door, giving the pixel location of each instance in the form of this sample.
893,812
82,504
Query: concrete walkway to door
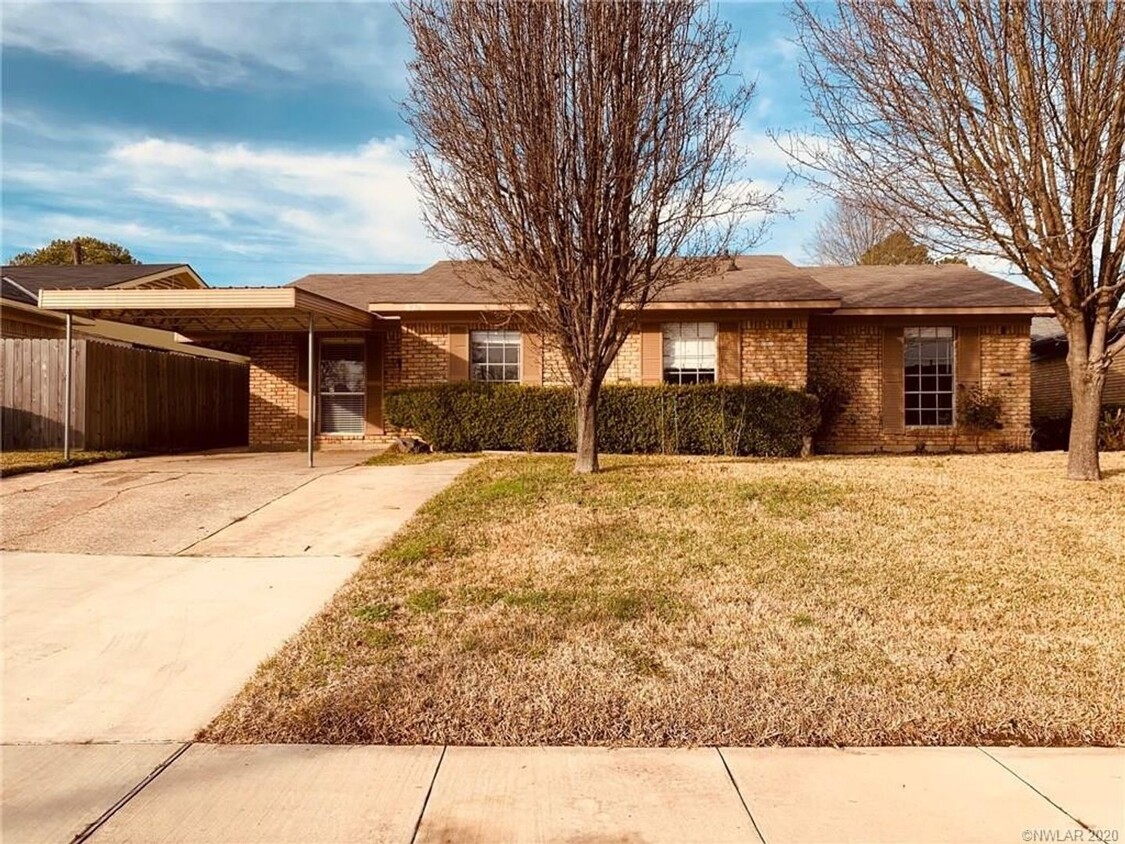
140,595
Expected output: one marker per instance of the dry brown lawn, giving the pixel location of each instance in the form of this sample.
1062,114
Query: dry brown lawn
677,601
19,461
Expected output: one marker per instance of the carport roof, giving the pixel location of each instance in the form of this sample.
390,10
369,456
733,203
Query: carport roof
213,310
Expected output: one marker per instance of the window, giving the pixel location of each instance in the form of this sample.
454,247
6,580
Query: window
494,356
689,353
928,369
342,387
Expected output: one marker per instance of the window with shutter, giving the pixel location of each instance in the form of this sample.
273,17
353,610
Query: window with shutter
927,360
689,352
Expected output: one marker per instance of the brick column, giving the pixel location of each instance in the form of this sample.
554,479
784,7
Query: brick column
274,421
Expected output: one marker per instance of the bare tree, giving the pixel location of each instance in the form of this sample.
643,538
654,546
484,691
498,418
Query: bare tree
989,126
847,232
582,155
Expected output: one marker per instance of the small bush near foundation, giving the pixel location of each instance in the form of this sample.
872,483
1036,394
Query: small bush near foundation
979,411
833,388
736,419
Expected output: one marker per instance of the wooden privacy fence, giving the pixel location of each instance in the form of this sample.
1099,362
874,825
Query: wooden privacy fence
122,397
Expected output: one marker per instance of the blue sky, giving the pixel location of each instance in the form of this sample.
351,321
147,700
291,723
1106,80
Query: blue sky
261,141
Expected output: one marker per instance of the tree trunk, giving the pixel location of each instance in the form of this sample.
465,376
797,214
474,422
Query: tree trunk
1086,385
586,401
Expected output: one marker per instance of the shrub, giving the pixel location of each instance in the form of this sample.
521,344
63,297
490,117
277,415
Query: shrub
1111,431
736,419
978,411
833,388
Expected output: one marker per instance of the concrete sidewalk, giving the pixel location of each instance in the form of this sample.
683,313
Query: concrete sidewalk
300,793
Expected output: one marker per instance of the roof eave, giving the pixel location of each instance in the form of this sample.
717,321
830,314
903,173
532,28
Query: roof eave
982,310
742,305
444,307
478,307
217,305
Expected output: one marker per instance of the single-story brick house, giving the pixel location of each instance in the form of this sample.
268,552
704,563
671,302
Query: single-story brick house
906,338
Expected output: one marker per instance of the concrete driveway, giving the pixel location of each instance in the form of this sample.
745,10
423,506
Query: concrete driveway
139,595
167,505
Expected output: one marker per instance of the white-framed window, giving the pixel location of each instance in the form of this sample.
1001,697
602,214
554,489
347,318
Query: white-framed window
494,356
689,352
342,385
928,366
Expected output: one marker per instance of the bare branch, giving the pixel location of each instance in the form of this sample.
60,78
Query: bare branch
582,154
986,126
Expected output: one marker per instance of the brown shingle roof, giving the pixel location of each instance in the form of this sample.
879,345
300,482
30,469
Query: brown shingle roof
758,278
81,276
922,286
356,289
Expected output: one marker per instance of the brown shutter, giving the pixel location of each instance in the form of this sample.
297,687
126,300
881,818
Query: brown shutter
531,358
968,356
458,353
652,354
894,402
729,353
374,371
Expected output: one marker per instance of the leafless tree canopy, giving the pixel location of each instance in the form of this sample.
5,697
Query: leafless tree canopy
992,126
846,232
582,154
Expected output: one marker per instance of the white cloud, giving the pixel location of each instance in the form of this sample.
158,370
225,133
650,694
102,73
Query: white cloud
178,200
219,44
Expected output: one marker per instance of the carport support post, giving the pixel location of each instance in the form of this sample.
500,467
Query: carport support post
311,382
66,392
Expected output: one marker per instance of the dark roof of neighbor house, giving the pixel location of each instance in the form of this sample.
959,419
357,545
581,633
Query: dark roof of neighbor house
12,291
1046,328
22,280
922,286
1048,340
755,278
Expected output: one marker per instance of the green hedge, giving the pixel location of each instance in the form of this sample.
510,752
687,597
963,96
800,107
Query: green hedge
745,419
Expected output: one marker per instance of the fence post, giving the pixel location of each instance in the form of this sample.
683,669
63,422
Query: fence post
67,390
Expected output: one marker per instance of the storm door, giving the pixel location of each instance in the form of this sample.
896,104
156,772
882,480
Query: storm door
342,384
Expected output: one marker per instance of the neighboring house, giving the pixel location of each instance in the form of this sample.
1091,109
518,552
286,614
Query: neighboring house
906,339
1050,379
21,316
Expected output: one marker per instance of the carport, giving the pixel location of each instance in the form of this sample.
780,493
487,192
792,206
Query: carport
212,313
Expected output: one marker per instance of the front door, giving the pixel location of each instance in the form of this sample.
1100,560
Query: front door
343,386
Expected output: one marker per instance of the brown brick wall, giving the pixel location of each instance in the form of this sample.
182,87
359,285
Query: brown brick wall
854,348
773,350
1005,369
776,351
424,354
626,367
274,420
